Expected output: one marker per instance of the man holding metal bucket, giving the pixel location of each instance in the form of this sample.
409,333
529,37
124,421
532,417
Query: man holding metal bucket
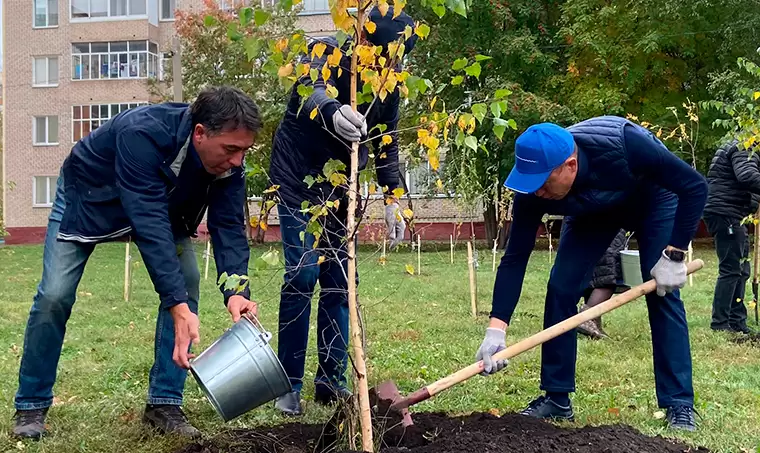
148,174
302,147
602,174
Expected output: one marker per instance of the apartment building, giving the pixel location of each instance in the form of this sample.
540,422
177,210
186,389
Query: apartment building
69,66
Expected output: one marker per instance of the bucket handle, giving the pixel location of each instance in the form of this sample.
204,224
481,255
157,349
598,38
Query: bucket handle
265,334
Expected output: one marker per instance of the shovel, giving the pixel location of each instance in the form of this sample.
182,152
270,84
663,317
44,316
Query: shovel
389,399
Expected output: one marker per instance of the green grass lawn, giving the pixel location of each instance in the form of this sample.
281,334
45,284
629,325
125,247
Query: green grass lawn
419,329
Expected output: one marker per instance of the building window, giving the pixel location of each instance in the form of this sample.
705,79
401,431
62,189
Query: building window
100,9
167,9
87,118
166,66
43,191
45,13
114,60
45,71
45,130
315,7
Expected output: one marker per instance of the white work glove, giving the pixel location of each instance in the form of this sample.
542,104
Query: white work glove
395,223
668,274
349,124
494,342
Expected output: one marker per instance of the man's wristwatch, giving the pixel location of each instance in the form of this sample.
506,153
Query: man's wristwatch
675,255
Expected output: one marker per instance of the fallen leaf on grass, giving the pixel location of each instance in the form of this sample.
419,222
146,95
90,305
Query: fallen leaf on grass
409,269
494,412
20,445
131,325
614,411
659,415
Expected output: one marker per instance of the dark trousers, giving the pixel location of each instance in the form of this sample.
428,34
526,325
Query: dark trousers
583,241
732,246
302,271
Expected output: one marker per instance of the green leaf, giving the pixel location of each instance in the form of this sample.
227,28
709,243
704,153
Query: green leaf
313,74
260,265
511,123
422,85
458,6
287,5
331,166
342,37
210,21
457,80
459,64
496,109
471,142
222,278
305,203
482,57
502,93
382,127
331,91
232,32
302,236
305,91
261,17
252,47
271,257
473,70
439,11
245,14
500,126
479,110
459,140
423,31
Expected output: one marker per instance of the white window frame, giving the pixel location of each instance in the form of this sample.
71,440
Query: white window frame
51,181
108,16
90,55
47,14
47,130
161,12
113,109
47,71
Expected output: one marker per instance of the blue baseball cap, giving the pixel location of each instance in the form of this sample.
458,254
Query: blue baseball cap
538,151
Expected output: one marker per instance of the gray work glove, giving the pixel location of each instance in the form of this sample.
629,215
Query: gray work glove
349,124
494,342
668,274
395,223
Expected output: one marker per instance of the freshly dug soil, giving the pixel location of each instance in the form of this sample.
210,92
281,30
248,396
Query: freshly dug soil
752,339
438,433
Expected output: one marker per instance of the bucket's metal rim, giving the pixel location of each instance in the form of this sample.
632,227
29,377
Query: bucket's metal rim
263,334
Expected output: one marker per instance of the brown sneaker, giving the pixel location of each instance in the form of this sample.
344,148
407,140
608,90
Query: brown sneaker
170,419
590,329
30,424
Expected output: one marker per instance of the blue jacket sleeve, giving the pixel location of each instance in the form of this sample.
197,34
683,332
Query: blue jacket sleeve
648,157
325,105
226,224
511,272
386,156
145,200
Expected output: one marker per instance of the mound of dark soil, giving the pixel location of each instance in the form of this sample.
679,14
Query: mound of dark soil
752,339
438,433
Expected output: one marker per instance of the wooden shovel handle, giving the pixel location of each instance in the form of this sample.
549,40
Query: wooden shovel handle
553,331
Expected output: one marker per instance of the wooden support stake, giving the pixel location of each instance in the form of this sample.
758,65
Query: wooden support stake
384,241
208,254
451,241
551,247
493,265
473,282
419,255
127,273
690,259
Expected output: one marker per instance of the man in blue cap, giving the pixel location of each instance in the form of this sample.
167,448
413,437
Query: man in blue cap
302,146
602,174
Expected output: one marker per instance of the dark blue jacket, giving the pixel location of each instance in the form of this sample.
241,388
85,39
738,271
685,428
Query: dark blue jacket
139,175
621,166
302,146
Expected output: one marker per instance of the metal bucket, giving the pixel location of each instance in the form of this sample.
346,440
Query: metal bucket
240,371
631,264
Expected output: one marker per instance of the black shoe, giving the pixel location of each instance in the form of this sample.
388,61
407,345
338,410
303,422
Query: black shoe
741,329
169,419
543,407
30,424
327,395
681,417
289,404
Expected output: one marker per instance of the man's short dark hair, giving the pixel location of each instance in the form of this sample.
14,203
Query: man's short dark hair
225,108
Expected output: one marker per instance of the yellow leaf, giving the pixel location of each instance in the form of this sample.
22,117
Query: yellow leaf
756,95
434,160
659,133
286,70
321,259
331,91
281,44
382,156
409,269
370,26
398,7
408,213
387,139
326,73
432,103
439,185
334,58
254,222
372,188
263,225
336,203
318,50
398,192
383,7
305,69
313,113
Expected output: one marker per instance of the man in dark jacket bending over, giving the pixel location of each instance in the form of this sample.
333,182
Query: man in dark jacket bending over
602,174
301,148
149,173
733,187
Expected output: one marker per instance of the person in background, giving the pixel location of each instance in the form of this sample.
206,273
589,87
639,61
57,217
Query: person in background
607,278
733,181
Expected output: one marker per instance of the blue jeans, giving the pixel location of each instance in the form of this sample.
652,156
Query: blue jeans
302,271
62,266
582,243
